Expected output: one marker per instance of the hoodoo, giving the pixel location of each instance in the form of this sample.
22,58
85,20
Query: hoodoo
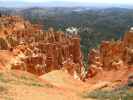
39,52
112,59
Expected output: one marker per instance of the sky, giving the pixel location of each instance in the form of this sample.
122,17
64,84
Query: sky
83,1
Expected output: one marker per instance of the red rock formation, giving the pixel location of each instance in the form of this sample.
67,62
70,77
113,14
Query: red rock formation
77,56
42,51
111,55
50,57
128,50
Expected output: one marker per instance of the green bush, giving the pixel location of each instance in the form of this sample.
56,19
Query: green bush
123,93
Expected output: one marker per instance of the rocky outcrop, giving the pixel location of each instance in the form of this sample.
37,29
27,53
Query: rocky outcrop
112,55
128,50
40,52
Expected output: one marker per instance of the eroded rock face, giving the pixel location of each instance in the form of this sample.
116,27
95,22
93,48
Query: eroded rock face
128,50
112,55
40,52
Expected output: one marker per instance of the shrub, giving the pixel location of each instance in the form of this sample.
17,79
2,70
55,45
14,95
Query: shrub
122,93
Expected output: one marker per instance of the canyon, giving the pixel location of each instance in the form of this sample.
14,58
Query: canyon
27,48
40,52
